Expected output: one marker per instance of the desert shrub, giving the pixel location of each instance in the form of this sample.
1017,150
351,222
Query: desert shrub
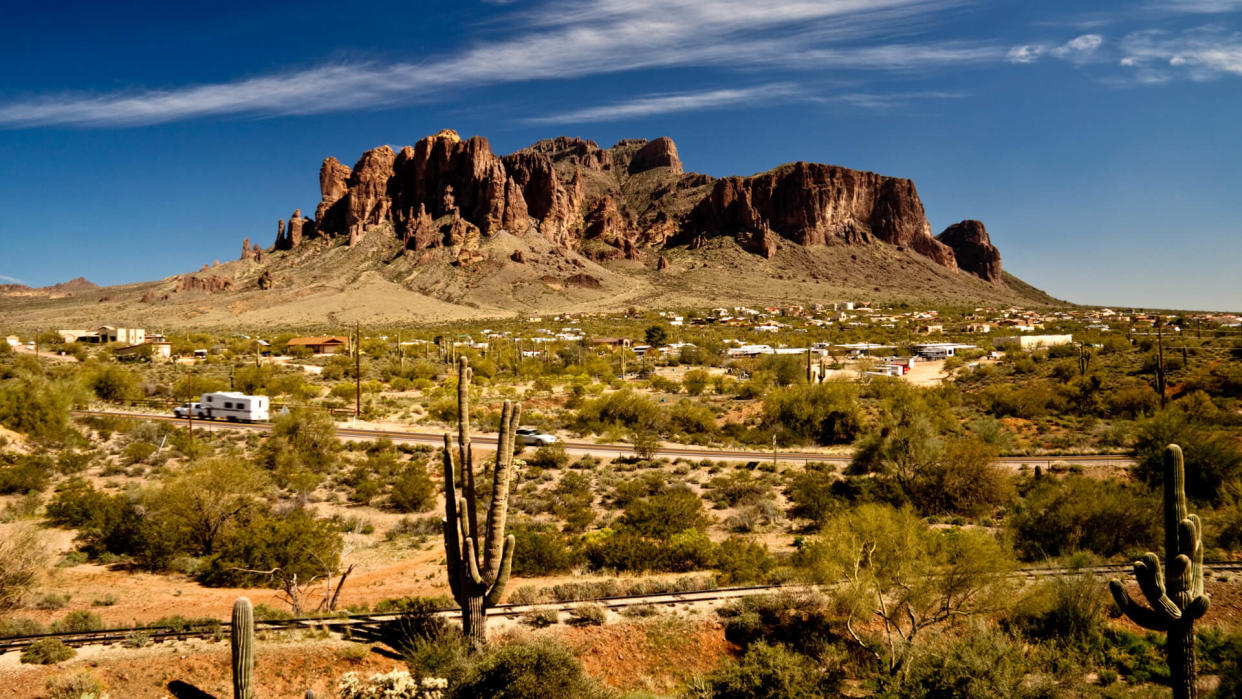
542,550
1067,610
1212,459
38,407
571,501
78,621
695,381
589,614
550,456
629,490
1079,513
982,664
618,410
740,560
413,490
80,684
812,494
533,671
303,446
113,383
773,672
738,487
20,626
24,474
799,619
294,543
823,413
629,551
47,651
540,618
665,514
1228,661
691,418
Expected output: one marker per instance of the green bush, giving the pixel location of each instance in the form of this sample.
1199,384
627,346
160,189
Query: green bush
982,664
534,671
550,456
413,490
20,626
590,614
47,651
295,543
773,672
539,550
798,619
665,514
1083,514
824,413
24,474
78,621
38,407
1213,460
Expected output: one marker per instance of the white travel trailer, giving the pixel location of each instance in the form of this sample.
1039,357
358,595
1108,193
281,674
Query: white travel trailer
228,405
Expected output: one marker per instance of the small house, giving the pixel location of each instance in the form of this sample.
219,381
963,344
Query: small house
330,344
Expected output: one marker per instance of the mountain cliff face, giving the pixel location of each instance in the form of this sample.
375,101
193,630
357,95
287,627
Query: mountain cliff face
630,201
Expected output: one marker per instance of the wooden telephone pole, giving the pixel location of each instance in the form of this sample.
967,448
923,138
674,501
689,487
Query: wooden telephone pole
357,370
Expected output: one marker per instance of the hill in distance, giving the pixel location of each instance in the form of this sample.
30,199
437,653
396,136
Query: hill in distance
447,230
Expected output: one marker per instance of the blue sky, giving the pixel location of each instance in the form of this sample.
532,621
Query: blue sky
1099,142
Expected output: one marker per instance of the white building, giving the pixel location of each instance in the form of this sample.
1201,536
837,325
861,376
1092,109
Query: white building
1031,341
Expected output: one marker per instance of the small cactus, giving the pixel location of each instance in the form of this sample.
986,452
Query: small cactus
242,636
1176,595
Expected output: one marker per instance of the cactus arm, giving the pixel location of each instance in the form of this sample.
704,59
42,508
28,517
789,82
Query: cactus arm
502,578
499,508
1147,572
452,544
1137,613
1196,558
463,438
1197,607
472,563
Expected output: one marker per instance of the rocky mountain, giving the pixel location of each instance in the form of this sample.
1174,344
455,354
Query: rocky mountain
58,290
446,229
631,201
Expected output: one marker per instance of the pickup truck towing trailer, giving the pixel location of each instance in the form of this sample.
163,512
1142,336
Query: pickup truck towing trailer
227,405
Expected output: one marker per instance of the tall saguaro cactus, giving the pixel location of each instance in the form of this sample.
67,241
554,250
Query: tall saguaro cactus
1176,595
478,570
242,636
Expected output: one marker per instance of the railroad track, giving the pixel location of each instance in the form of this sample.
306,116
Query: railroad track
220,629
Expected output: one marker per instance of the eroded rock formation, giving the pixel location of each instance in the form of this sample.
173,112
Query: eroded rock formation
617,202
973,249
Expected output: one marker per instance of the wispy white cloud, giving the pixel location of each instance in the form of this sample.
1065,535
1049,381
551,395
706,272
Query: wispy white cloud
1202,53
1198,7
1077,50
888,101
11,280
649,105
554,41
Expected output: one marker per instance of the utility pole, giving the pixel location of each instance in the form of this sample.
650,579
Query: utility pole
1160,360
401,350
357,370
773,452
37,331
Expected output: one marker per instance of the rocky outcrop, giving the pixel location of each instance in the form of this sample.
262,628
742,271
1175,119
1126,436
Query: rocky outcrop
973,250
815,204
265,280
661,152
246,254
210,284
613,203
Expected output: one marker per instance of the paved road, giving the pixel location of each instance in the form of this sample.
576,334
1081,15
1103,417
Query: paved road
345,432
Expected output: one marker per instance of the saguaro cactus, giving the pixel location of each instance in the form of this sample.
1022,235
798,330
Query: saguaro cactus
1176,596
242,636
478,570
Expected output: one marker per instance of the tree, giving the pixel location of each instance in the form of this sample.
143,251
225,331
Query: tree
413,490
38,407
303,447
113,383
657,335
206,497
274,549
903,576
824,413
666,514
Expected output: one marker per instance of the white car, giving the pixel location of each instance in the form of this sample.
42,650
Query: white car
529,436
